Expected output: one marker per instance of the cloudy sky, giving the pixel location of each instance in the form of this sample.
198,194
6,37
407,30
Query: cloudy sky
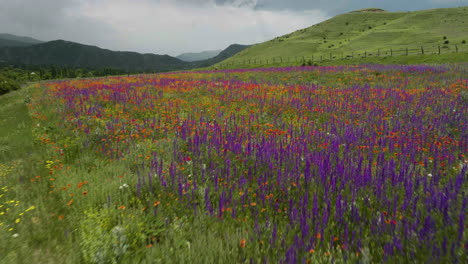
176,26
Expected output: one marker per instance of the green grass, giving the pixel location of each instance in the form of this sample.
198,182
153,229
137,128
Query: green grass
19,158
411,59
357,33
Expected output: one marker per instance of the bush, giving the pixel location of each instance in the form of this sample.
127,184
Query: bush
463,41
446,42
7,85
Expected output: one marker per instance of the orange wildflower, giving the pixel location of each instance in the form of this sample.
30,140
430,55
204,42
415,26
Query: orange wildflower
242,243
70,202
122,207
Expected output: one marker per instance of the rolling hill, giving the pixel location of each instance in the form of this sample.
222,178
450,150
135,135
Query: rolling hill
71,54
366,30
198,56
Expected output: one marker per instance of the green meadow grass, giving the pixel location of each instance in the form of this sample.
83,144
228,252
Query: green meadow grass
360,32
307,61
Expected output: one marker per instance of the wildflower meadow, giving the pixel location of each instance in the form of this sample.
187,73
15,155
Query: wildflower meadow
338,164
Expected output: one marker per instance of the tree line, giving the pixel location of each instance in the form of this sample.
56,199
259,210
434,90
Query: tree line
13,76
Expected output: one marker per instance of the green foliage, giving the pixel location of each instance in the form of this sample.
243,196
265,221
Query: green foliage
102,239
7,85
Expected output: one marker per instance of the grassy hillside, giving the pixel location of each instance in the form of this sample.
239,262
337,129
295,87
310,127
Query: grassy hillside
366,31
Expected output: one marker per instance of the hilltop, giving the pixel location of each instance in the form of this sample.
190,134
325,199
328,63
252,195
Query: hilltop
366,30
374,10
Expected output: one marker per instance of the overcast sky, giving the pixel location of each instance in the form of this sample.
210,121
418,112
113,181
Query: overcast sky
176,26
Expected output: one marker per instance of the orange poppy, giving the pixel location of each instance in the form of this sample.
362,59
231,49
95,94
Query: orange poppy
242,243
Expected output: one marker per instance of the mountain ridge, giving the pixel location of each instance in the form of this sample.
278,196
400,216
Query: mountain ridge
198,56
10,40
72,54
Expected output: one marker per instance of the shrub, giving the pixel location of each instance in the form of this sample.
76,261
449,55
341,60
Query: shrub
463,41
445,37
7,85
446,42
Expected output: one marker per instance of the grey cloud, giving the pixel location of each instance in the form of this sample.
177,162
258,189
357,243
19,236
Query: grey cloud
332,7
175,26
32,14
49,20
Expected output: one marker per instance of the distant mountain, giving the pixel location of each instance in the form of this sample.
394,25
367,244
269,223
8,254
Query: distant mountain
223,55
198,56
9,40
71,54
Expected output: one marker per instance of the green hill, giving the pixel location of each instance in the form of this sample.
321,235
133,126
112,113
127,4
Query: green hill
365,32
70,54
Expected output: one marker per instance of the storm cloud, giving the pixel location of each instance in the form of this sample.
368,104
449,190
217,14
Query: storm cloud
176,26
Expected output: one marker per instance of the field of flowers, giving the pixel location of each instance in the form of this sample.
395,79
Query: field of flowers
355,164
